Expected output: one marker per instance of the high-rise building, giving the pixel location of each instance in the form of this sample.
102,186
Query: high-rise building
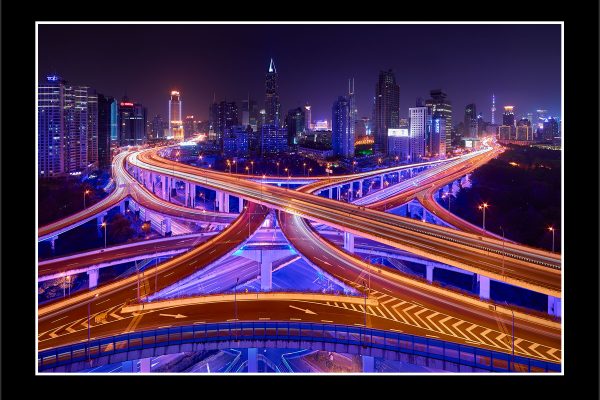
104,129
508,119
51,132
470,120
342,132
353,112
481,125
493,109
307,118
550,129
387,108
440,104
249,113
524,132
114,121
419,130
189,126
272,105
295,125
236,141
399,143
92,128
227,116
273,140
67,126
158,127
132,123
437,142
175,116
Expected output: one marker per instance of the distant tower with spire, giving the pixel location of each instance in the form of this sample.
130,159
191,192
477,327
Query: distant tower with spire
272,105
493,109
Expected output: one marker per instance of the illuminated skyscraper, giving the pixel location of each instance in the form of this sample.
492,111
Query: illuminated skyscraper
470,120
295,124
508,128
175,116
437,139
307,117
419,130
342,131
92,128
387,108
104,129
440,104
132,123
272,105
493,109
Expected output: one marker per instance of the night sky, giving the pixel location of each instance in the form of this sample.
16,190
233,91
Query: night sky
521,64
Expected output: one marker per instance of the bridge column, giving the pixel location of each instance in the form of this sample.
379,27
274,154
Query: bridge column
53,242
127,366
429,272
187,201
484,286
329,193
145,365
252,359
226,202
92,278
349,242
368,364
167,223
163,184
338,192
240,204
554,306
266,271
122,207
220,198
380,181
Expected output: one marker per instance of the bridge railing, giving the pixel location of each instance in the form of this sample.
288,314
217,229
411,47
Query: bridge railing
482,359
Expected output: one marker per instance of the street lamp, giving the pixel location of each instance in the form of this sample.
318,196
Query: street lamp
85,192
104,226
551,229
247,170
88,326
277,169
252,164
309,171
304,169
483,207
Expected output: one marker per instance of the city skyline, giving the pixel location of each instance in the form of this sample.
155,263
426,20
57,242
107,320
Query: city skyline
319,76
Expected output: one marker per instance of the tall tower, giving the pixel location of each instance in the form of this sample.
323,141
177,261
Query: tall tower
342,140
493,109
440,104
349,145
272,106
307,117
387,108
175,118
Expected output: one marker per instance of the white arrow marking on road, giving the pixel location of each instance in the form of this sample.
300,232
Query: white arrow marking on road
177,316
305,310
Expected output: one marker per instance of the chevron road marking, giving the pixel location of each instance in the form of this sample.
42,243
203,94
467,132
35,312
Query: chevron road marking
429,318
442,323
415,323
484,333
389,312
418,315
455,326
552,351
534,347
470,330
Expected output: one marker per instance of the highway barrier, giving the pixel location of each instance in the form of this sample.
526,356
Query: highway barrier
368,341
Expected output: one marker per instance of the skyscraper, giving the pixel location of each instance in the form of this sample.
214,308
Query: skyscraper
307,117
353,112
64,124
419,130
175,116
104,130
387,108
92,128
493,109
189,126
295,124
273,140
550,129
272,105
158,127
342,131
132,123
227,116
437,142
440,104
508,119
524,132
470,120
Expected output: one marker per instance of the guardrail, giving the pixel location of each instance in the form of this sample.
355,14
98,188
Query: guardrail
301,331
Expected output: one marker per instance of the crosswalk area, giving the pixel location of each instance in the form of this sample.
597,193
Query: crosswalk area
442,325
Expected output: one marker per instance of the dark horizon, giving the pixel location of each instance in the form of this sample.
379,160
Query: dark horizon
520,64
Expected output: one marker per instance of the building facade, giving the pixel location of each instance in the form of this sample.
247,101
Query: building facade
419,131
175,116
440,104
272,105
342,131
387,108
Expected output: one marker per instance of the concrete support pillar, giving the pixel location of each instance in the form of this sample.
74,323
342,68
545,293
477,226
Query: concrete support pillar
220,198
122,207
484,287
554,306
226,202
349,242
240,204
266,271
163,183
350,190
187,200
193,195
145,365
93,278
338,192
53,242
127,366
380,181
167,225
252,359
429,272
368,364
329,193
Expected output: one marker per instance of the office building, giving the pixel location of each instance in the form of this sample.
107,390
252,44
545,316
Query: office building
274,140
437,138
158,127
175,116
387,109
419,130
236,141
307,118
132,123
272,105
342,132
508,119
227,116
523,131
551,130
92,128
399,143
104,130
440,104
295,124
470,122
189,126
